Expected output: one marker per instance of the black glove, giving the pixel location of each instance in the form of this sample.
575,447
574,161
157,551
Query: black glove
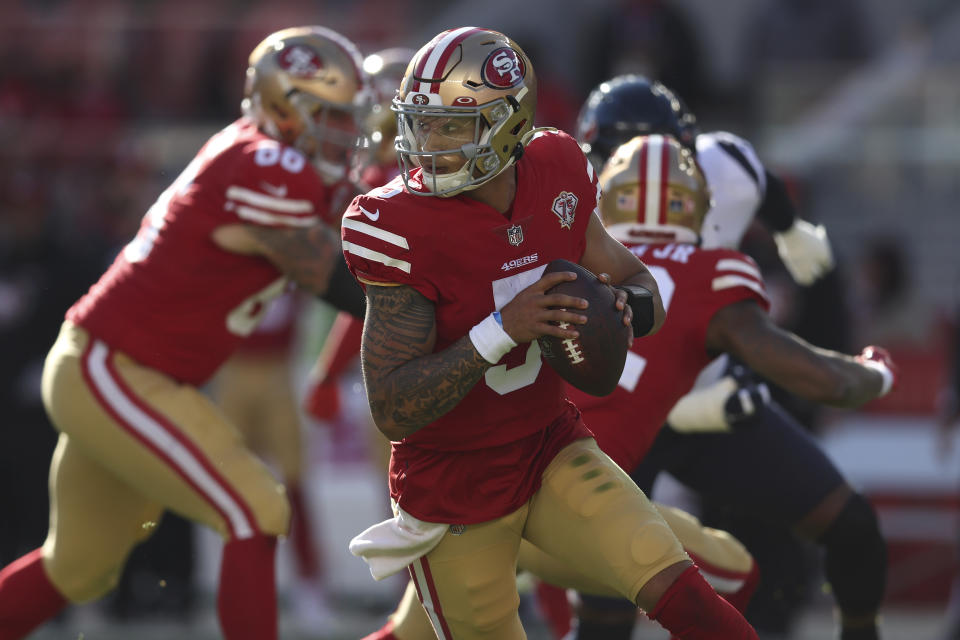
751,395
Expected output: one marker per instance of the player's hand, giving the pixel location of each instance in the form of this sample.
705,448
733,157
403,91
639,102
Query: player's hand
322,400
805,251
878,359
529,315
621,305
748,398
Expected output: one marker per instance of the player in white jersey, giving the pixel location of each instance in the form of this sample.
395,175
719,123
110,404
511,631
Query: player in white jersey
728,441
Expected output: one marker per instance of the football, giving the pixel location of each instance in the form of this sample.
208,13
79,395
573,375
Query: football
592,362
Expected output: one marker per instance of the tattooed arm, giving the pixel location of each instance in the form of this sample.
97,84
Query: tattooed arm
409,386
308,256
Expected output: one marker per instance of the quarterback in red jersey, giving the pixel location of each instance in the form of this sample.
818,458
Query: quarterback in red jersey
486,449
137,437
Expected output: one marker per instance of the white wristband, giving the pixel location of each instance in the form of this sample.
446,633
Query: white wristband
884,372
490,340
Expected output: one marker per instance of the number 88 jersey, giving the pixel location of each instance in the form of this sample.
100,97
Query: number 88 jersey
172,299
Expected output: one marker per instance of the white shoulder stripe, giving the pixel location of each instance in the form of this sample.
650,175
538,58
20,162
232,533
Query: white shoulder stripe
380,234
376,256
257,199
589,168
732,264
728,282
265,217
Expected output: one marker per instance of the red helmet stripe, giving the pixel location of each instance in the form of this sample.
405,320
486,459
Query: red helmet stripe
652,199
435,58
642,181
664,178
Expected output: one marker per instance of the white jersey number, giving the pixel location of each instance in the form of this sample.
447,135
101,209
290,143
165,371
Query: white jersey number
499,378
634,366
247,315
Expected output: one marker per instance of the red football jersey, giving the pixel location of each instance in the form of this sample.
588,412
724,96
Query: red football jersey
488,452
694,284
173,300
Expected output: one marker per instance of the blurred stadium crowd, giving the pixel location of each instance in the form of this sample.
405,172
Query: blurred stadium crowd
857,103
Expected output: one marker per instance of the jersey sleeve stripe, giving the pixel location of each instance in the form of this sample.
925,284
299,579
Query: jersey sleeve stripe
380,234
731,264
376,256
728,282
265,217
257,199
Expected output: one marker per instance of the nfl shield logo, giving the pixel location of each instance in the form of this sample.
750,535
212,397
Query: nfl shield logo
515,235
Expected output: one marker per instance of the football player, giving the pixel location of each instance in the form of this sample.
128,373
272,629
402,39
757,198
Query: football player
717,304
137,436
486,450
727,393
342,346
742,187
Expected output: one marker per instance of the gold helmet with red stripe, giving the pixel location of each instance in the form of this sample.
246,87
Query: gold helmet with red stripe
386,69
306,87
653,191
464,109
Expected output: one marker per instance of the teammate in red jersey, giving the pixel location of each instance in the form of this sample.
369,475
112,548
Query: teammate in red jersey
728,440
136,435
342,346
715,301
486,449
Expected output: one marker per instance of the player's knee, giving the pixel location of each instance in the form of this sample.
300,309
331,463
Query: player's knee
855,562
82,582
273,515
855,525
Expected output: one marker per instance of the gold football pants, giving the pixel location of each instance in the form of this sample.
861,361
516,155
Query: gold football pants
723,559
588,515
255,391
133,443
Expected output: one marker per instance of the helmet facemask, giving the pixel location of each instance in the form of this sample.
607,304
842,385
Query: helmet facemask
438,138
464,108
331,135
642,204
305,87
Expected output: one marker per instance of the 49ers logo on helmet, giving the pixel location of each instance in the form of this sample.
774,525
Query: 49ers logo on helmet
419,98
300,60
503,69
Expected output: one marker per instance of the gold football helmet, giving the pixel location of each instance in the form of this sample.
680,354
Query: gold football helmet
653,191
306,87
464,109
386,69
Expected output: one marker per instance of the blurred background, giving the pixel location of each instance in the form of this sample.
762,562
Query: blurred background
855,102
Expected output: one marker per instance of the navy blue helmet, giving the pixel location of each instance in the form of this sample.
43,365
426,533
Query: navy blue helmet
628,106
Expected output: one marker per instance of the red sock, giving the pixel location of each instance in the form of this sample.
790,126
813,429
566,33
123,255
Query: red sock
555,608
27,597
741,597
301,535
691,610
383,633
247,601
